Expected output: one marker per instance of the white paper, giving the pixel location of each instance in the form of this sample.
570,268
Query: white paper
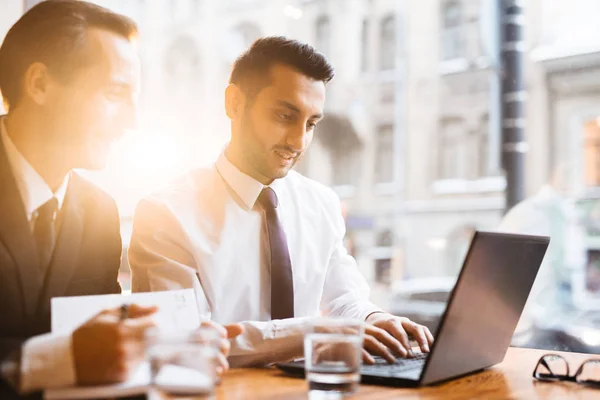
137,384
177,309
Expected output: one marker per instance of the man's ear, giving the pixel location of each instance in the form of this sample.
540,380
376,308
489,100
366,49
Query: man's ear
235,101
37,83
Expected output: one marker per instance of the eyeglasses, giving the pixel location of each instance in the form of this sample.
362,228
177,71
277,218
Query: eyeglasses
554,368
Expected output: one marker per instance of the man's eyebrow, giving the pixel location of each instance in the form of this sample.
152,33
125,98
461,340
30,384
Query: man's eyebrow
289,106
295,109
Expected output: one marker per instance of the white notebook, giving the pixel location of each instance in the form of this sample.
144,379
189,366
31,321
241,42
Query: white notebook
138,384
177,310
172,379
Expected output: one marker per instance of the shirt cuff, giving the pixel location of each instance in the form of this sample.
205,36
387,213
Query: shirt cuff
289,327
374,312
265,342
47,362
365,310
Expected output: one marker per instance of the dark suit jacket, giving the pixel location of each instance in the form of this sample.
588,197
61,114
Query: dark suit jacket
86,257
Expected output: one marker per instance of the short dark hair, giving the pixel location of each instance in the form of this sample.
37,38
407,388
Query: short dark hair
251,70
53,32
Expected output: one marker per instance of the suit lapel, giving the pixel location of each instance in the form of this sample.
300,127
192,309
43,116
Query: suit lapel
16,235
68,244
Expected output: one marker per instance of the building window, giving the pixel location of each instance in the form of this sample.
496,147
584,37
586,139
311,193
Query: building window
338,136
592,153
383,265
483,146
364,61
323,35
387,53
384,157
387,93
453,150
463,153
345,162
453,40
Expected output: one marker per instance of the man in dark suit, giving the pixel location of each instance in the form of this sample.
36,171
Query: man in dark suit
69,77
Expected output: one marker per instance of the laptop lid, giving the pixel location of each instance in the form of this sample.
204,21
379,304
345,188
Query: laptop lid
485,305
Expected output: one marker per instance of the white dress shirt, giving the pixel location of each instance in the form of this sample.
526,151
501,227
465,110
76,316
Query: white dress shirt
46,360
205,233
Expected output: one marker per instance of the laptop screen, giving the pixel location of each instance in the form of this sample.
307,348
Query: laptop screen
485,305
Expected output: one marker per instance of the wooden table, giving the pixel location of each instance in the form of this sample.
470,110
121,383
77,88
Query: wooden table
509,380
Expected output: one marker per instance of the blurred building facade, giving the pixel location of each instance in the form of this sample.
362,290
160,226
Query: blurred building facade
410,141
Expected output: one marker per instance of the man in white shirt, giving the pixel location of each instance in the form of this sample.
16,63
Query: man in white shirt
69,76
260,243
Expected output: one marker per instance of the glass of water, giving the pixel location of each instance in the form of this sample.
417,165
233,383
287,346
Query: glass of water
333,355
182,364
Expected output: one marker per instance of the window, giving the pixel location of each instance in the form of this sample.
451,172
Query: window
387,52
483,146
384,157
453,161
405,142
364,60
323,35
387,93
464,151
453,41
592,153
345,162
339,138
383,265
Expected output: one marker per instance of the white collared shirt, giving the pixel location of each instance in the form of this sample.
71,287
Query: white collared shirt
205,233
46,360
34,190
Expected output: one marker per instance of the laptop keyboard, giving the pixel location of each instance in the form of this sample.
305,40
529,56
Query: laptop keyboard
382,367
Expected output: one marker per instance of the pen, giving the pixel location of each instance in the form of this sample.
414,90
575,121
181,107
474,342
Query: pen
124,312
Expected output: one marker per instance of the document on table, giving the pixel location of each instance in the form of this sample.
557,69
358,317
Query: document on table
177,310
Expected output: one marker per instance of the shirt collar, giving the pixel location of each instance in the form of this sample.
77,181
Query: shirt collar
246,187
32,187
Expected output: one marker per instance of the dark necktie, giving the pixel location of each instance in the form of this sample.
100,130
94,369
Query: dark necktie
43,232
282,281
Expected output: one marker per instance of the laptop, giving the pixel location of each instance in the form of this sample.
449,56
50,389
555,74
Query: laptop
480,318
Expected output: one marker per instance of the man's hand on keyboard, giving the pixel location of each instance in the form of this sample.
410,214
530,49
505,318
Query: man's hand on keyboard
387,336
